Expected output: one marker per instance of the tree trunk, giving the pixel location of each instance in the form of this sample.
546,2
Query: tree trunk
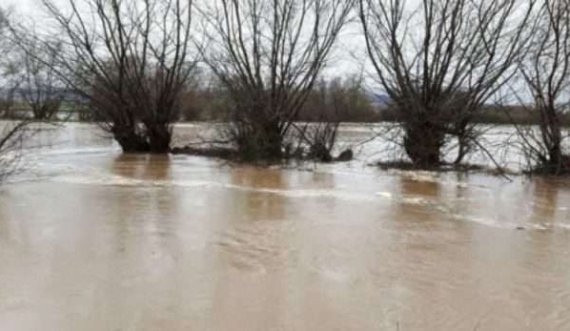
160,137
553,139
130,141
263,141
423,142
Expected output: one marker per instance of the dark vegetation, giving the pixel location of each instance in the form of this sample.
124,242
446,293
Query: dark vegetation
267,56
257,68
523,115
129,59
546,76
13,134
440,73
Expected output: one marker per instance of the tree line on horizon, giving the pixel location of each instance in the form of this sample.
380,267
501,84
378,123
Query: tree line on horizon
139,66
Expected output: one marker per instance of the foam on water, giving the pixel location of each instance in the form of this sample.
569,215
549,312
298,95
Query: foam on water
116,180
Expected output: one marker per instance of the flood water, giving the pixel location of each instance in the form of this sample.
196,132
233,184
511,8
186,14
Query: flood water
94,240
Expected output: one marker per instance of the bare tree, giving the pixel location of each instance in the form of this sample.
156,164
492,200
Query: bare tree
205,99
130,59
268,54
12,134
546,74
440,62
339,98
7,87
7,98
39,87
331,102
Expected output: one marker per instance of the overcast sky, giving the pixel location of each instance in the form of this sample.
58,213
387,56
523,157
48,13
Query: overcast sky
340,63
349,57
22,5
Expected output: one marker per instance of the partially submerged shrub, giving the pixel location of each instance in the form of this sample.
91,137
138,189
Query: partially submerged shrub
268,55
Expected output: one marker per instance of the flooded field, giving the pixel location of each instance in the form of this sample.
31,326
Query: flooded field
94,240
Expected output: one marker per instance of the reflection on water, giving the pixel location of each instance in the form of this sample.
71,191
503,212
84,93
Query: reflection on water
150,167
253,205
428,189
94,240
547,203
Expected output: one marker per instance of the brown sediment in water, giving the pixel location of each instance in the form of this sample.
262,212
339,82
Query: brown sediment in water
103,241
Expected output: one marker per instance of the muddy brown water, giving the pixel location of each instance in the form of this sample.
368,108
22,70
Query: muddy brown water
94,240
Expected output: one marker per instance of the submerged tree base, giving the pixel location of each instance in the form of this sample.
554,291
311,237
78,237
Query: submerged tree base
218,152
442,167
561,168
234,155
157,142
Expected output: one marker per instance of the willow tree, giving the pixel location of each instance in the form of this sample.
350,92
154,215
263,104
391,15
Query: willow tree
13,134
440,62
268,55
39,88
129,58
546,74
8,84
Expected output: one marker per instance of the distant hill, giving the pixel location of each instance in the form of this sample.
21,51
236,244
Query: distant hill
378,100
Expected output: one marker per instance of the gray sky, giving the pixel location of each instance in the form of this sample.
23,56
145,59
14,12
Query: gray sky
342,62
348,58
22,5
